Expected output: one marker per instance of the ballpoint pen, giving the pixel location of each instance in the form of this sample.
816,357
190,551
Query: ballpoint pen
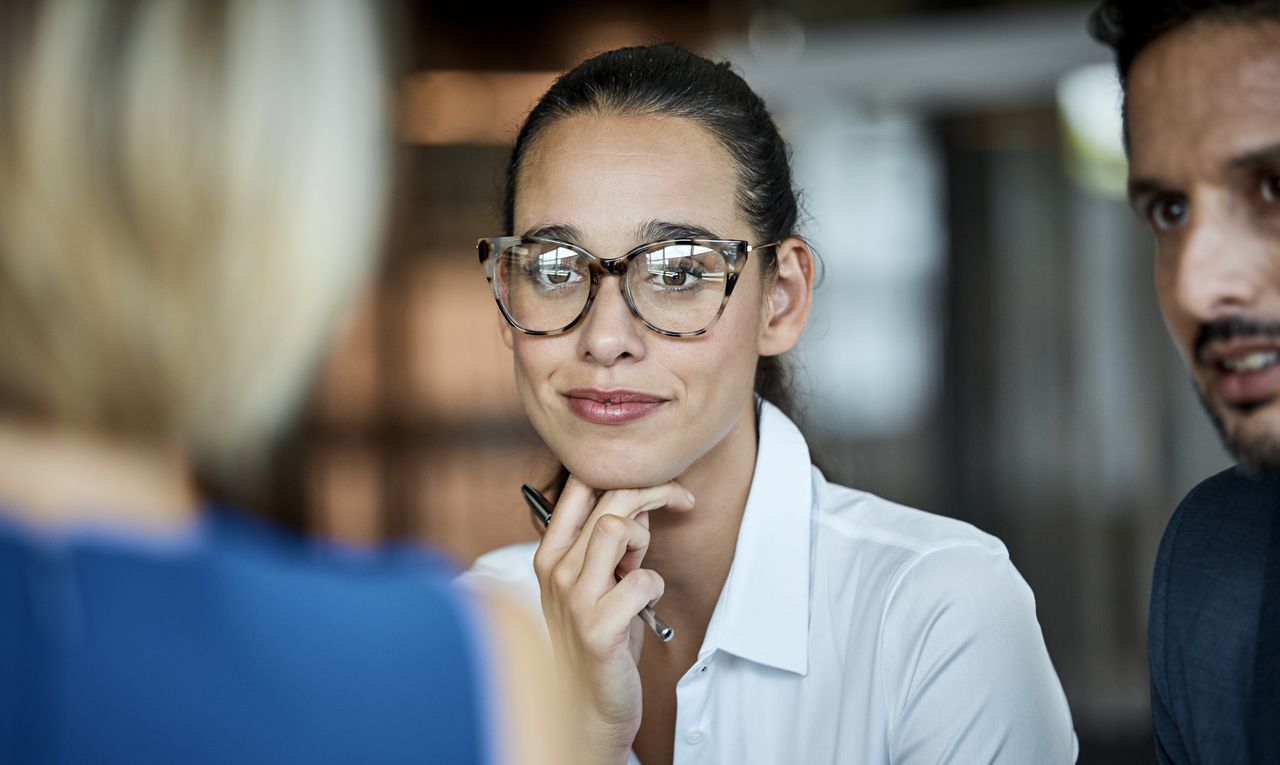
542,511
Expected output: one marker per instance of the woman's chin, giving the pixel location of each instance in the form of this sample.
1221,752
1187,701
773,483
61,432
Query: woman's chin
615,476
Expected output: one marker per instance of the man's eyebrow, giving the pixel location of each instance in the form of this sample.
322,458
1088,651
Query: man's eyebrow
1252,160
561,232
660,230
1143,188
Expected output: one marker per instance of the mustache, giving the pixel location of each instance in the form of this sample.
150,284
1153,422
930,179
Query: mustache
1234,328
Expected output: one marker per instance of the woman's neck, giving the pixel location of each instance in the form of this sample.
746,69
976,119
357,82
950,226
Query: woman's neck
693,551
58,479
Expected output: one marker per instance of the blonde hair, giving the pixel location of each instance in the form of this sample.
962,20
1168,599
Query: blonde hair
189,192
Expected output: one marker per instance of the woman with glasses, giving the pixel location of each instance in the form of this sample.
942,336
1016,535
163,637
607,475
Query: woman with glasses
650,279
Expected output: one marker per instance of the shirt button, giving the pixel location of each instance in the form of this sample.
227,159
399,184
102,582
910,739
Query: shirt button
694,737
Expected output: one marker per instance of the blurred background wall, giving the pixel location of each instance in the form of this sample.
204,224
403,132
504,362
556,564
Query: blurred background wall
986,343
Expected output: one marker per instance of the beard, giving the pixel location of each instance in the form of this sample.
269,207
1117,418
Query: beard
1256,453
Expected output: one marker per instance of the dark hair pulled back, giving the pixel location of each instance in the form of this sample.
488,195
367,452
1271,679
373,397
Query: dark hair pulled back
669,80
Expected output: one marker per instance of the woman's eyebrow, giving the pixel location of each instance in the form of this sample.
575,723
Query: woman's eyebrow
660,230
561,232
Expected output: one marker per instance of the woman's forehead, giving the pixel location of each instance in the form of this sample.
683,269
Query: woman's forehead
593,171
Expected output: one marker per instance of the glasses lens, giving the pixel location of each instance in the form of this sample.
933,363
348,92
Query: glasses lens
542,286
679,287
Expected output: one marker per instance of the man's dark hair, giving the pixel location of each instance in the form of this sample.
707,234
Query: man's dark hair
1128,26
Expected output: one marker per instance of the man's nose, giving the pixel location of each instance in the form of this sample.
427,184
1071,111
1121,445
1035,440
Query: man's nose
1220,270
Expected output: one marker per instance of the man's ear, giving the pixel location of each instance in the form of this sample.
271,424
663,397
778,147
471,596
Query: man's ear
788,297
505,329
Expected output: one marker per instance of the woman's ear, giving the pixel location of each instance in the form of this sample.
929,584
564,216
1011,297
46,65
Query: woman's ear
788,297
505,328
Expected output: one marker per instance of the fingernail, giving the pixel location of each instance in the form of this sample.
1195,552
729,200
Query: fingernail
689,494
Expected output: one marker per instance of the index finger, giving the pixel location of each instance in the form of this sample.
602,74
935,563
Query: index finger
629,503
573,508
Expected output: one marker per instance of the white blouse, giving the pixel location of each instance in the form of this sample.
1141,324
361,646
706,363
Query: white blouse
854,630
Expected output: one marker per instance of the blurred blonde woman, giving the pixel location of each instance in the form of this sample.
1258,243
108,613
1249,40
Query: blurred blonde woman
190,193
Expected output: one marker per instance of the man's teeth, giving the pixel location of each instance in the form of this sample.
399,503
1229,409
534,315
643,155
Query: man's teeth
1251,363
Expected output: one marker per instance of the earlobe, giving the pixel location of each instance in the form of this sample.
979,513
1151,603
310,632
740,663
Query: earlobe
789,298
505,329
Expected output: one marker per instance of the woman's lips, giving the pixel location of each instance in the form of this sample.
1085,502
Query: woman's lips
612,407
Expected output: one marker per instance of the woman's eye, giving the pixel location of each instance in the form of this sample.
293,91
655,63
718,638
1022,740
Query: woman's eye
678,278
556,276
1269,187
1167,213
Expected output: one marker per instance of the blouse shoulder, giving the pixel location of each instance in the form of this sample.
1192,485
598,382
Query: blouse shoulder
855,527
956,623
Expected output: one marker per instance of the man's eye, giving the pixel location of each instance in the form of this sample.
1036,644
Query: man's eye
1167,213
1269,187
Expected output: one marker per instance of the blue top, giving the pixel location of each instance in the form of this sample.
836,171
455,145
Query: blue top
1213,638
234,644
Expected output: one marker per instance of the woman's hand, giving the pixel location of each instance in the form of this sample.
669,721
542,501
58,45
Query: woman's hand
591,616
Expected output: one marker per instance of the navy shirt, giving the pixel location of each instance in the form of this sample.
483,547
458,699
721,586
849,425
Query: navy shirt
237,644
1214,632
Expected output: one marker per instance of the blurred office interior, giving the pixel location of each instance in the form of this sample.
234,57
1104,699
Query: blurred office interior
986,343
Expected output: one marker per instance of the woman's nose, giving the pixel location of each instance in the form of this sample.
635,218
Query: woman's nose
610,332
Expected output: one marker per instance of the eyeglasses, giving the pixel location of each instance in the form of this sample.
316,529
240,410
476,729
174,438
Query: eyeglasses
677,287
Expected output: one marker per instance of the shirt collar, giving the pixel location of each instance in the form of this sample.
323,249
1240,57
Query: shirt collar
763,611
